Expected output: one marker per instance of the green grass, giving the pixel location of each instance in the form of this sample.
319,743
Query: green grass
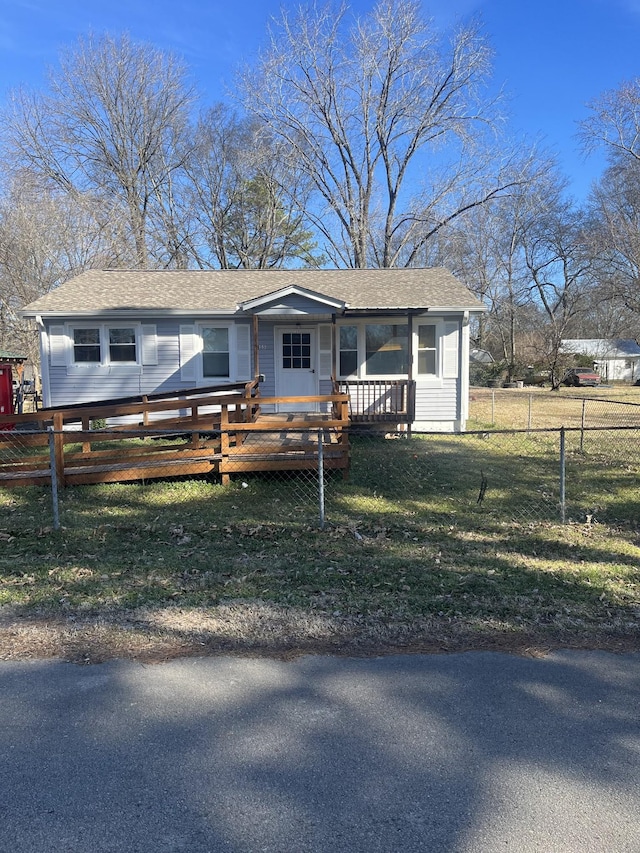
407,547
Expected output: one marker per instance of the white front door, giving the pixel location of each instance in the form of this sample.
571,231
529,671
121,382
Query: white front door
296,369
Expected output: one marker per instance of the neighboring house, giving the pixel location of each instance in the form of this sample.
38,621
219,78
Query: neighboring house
118,333
613,359
481,357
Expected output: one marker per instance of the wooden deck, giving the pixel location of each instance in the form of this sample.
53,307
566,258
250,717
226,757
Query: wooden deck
194,434
289,441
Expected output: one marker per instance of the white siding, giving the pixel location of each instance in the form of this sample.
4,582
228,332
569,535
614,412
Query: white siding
188,354
243,352
438,407
57,346
149,344
267,358
94,382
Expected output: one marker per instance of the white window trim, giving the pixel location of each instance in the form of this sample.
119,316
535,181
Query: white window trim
201,379
429,380
105,362
361,325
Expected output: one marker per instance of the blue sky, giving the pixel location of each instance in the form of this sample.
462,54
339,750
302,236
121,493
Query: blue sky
552,56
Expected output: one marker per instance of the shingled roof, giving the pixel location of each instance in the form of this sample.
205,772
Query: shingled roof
220,291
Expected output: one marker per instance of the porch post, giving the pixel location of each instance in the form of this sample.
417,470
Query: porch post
334,353
256,348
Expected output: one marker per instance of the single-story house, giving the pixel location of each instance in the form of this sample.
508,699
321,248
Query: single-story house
613,358
117,333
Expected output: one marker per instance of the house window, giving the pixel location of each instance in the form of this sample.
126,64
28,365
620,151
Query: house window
296,350
427,350
122,345
386,349
104,345
86,346
215,352
348,351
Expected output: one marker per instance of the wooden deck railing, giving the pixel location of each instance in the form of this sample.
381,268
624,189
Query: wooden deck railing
380,400
218,426
143,410
195,412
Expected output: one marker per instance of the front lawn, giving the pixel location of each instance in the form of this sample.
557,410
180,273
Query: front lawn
410,558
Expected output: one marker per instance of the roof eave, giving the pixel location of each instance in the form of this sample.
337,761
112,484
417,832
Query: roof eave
129,312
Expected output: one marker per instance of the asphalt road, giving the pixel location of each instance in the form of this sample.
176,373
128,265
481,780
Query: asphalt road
466,753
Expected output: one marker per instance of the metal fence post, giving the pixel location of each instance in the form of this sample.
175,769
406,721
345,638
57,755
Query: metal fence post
530,408
563,507
582,425
493,407
54,478
321,478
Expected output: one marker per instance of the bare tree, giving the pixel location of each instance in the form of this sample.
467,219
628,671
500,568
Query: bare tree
112,124
615,212
558,259
614,127
386,119
484,247
484,250
46,237
245,198
614,122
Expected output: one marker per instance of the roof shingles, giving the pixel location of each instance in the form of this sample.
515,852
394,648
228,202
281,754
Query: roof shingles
198,291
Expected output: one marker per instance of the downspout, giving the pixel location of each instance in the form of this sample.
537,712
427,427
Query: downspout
334,353
464,372
44,362
256,348
411,397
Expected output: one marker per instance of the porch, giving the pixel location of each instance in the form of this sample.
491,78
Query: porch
391,401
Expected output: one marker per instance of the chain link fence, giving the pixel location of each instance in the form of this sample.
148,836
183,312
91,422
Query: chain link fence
524,409
317,476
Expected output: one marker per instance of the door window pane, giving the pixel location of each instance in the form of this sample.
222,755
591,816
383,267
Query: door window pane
122,344
386,349
296,350
86,346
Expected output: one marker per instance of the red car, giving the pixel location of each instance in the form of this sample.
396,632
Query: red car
577,376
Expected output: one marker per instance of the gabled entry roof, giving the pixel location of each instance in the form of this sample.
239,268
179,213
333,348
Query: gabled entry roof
273,302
